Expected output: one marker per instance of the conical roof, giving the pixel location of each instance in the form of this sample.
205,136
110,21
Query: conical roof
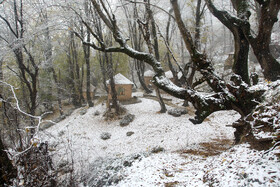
169,74
149,73
120,79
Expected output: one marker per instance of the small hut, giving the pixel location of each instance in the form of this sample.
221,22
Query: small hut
123,88
148,76
92,90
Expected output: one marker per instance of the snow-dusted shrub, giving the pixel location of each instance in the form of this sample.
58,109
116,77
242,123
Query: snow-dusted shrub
35,167
109,171
265,124
105,136
127,119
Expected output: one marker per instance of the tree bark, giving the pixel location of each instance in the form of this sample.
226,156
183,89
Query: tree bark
87,60
260,44
156,50
241,51
114,93
78,77
140,70
198,15
102,63
167,38
72,81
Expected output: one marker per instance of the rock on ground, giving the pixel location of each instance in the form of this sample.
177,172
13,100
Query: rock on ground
126,120
177,112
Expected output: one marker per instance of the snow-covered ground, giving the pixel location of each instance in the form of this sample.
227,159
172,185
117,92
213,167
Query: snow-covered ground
77,138
239,166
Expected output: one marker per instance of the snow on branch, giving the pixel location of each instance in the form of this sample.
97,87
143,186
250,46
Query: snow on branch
39,118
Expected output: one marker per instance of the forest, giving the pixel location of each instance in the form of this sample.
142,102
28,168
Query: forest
139,93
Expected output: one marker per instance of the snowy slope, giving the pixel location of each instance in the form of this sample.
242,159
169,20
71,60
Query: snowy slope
77,138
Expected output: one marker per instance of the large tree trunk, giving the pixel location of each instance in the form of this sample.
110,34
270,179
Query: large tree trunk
241,52
31,85
268,17
270,66
241,44
58,91
131,68
260,45
33,94
1,90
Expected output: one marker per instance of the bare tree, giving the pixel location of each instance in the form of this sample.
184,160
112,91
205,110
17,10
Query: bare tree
86,50
227,96
153,47
136,41
49,59
73,61
28,68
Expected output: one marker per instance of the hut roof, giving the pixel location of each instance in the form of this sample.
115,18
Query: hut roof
180,74
120,79
149,73
169,74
